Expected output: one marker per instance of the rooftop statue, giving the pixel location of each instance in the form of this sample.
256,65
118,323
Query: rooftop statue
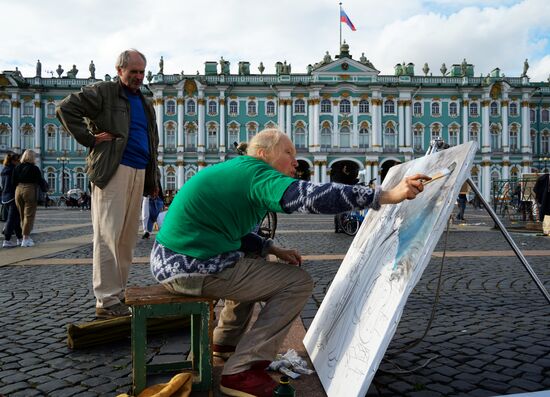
38,69
525,68
161,65
91,68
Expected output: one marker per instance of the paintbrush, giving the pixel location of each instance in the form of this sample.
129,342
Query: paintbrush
444,172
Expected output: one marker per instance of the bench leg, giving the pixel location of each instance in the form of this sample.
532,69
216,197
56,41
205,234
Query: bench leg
202,357
139,346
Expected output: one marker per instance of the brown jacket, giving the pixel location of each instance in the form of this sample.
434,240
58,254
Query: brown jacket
100,107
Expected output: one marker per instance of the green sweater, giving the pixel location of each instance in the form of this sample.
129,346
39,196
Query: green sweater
221,204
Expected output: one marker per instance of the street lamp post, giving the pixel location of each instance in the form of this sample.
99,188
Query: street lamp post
545,159
63,160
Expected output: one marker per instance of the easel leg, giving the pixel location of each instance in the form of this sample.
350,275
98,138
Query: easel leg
508,238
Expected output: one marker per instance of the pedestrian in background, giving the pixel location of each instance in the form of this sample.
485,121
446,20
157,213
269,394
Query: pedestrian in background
462,201
115,121
13,221
28,181
151,207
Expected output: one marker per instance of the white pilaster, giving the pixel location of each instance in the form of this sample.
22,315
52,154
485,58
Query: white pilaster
465,103
401,127
181,123
37,124
525,125
505,128
16,122
222,123
288,128
355,126
485,132
335,126
201,128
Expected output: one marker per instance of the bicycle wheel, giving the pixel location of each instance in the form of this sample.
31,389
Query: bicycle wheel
268,225
350,226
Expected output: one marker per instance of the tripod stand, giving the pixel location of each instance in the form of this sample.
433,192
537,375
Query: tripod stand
438,144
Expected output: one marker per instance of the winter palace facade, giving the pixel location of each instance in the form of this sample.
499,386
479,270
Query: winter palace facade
347,121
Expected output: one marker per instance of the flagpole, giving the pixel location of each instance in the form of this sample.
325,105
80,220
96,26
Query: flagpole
340,23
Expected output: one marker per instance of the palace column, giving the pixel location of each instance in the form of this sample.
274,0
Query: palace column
316,129
368,171
181,123
281,115
506,167
201,130
310,124
401,127
16,122
485,131
288,110
505,130
375,172
323,177
376,124
355,127
408,126
37,125
158,101
465,104
525,135
223,147
335,129
179,173
486,178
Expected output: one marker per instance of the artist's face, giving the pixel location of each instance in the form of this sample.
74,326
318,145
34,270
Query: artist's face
283,158
132,75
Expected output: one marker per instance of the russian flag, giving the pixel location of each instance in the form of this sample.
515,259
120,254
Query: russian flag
344,18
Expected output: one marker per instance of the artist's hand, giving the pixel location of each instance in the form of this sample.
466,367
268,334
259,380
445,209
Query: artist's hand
103,136
407,189
287,255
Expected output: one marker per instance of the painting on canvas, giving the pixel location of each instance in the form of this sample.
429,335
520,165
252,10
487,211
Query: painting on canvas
360,312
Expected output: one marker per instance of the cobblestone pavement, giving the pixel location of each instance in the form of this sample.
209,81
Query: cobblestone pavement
490,334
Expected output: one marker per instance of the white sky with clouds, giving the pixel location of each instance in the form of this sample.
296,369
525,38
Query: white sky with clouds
488,33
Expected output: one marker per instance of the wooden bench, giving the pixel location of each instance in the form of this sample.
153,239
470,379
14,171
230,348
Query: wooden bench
157,302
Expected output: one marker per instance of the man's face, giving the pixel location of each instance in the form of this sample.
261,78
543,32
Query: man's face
132,75
283,158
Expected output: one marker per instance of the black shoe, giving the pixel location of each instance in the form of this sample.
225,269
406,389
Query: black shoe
145,235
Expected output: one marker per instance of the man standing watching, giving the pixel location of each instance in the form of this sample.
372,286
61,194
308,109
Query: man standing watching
117,124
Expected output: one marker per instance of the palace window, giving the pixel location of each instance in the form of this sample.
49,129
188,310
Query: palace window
417,109
436,109
212,108
418,137
453,135
212,136
251,108
473,132
453,109
326,106
390,138
299,106
532,115
50,110
233,108
28,108
300,136
27,136
326,135
5,134
345,106
545,142
270,108
494,109
170,180
4,108
513,109
364,136
191,137
80,179
251,130
435,131
364,106
50,177
170,107
545,115
51,132
474,109
495,138
170,133
345,135
190,107
533,141
233,133
389,106
513,141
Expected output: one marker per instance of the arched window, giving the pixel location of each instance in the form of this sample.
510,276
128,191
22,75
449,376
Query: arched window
417,109
345,136
190,137
474,174
51,132
389,106
513,109
270,108
326,135
4,108
28,108
545,115
494,109
326,106
212,108
364,106
345,106
51,178
170,179
545,142
27,136
473,132
532,115
50,110
435,131
170,107
364,135
418,137
190,107
513,141
233,108
533,141
453,135
212,136
251,130
435,109
65,140
170,133
453,109
251,108
300,136
299,106
496,140
233,133
390,141
474,109
5,134
80,180
514,173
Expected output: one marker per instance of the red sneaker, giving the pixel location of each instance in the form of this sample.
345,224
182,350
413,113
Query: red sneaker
222,351
249,383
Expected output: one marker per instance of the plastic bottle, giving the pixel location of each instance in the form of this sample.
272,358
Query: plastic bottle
284,389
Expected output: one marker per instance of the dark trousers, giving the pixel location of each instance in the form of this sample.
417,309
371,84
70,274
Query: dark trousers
13,221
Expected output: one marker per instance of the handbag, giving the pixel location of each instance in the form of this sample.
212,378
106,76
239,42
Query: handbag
44,187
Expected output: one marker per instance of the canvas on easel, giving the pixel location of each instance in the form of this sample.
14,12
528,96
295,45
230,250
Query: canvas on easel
360,312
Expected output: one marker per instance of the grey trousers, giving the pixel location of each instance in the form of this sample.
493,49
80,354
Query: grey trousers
284,288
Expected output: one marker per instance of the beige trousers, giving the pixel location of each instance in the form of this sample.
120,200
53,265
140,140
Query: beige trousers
284,288
26,201
115,218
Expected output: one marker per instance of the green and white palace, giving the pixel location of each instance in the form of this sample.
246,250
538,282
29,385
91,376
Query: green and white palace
347,120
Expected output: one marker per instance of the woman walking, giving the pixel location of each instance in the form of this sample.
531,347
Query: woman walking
28,179
13,221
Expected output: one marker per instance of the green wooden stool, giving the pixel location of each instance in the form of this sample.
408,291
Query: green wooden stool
156,301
